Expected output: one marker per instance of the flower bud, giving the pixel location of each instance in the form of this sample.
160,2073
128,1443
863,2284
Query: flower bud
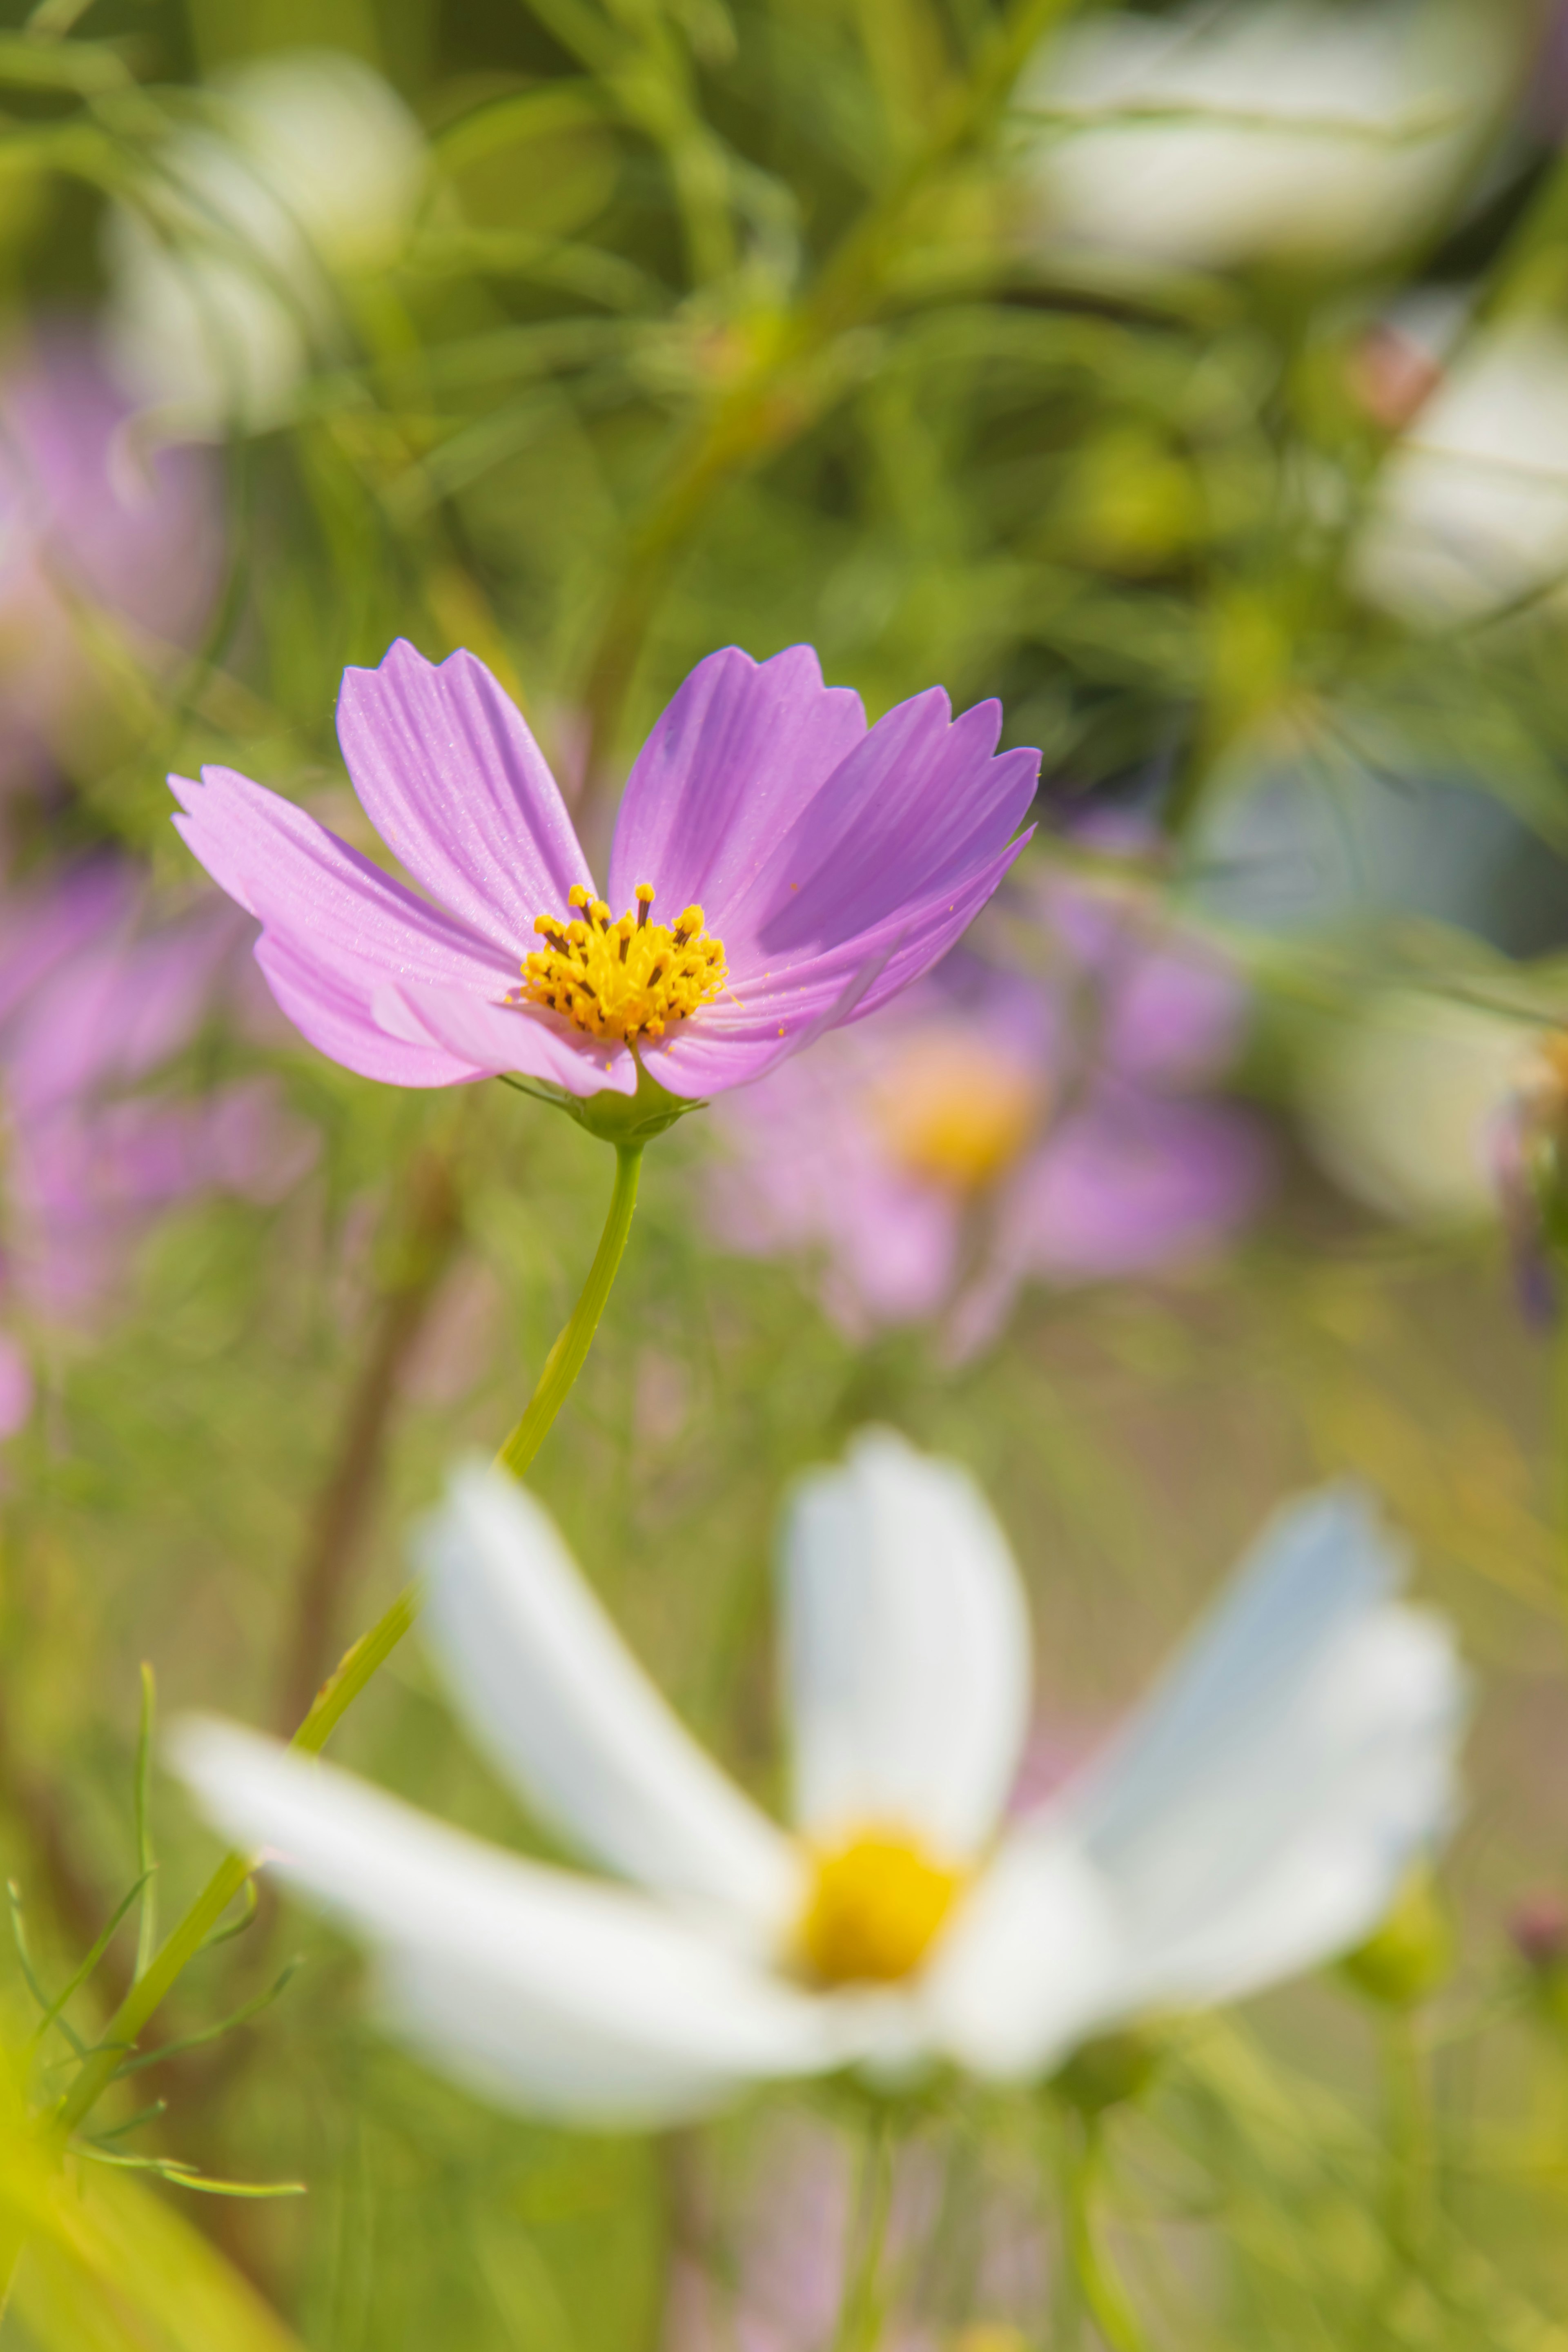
1537,1930
1408,1956
1109,2070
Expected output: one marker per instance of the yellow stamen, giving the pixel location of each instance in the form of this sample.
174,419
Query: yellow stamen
957,1111
626,980
877,1902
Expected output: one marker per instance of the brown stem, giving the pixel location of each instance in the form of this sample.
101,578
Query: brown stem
431,1230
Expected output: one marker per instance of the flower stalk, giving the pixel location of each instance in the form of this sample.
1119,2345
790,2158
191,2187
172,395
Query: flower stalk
859,2326
1098,2292
357,1667
569,1354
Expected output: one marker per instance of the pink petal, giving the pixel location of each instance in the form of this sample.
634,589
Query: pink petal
291,874
914,806
728,767
495,1038
732,1043
330,1005
457,787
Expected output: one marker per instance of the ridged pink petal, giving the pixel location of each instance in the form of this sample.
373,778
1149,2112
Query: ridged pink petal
728,767
330,1005
732,1043
299,879
495,1037
457,787
915,805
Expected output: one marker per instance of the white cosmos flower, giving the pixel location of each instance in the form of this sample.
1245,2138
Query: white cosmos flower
1253,1817
1471,510
1217,134
1406,1105
306,169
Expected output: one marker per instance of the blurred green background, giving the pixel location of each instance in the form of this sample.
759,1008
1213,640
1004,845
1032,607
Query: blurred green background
1198,385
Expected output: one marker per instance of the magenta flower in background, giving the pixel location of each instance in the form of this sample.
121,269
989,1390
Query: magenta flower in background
94,1000
778,868
999,1126
96,536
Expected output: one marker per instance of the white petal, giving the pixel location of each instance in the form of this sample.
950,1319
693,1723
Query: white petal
1256,1816
565,1710
530,1985
1021,1973
906,1647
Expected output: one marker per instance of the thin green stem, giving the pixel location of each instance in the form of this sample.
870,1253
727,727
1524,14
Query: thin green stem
1410,2149
773,405
859,2328
567,1356
153,1986
1559,1433
358,1665
1099,2290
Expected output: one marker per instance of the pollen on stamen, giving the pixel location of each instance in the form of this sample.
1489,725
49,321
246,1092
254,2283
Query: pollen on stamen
626,981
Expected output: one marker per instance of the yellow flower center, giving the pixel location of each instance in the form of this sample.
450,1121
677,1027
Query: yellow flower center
956,1112
877,1902
624,980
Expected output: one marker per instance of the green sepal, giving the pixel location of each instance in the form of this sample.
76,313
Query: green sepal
616,1119
1405,1960
1109,2070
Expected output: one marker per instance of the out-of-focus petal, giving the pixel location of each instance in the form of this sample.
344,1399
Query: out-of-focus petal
918,804
1131,1183
530,1985
737,755
566,1711
457,787
494,1036
1024,1970
16,1386
1257,1813
906,1648
119,1007
43,929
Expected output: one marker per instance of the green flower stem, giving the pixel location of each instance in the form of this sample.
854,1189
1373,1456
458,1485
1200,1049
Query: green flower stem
567,1356
1099,2290
372,1650
152,1989
776,401
859,2328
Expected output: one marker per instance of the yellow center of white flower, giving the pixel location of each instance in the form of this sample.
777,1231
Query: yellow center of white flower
625,979
957,1112
877,1901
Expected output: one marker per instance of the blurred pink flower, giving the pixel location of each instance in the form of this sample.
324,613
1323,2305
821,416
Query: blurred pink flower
998,1126
94,1000
97,538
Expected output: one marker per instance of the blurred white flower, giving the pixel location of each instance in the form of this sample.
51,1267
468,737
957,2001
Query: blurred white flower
304,168
1313,133
1472,506
1402,1105
1254,1816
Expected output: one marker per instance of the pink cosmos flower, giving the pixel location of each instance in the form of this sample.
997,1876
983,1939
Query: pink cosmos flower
93,1000
1001,1125
778,868
95,536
